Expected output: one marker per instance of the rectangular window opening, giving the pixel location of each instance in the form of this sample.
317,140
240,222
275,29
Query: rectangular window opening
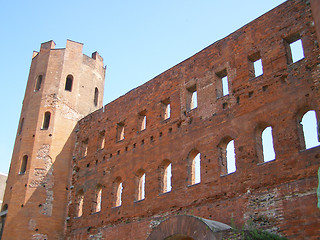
166,109
192,98
255,65
258,70
84,148
294,48
142,120
101,140
222,84
225,88
120,131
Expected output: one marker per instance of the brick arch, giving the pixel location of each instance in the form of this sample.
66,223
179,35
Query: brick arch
184,227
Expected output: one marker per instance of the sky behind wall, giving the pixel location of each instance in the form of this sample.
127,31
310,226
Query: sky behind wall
137,39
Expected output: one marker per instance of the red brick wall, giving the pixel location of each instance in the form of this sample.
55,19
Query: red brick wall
37,199
279,195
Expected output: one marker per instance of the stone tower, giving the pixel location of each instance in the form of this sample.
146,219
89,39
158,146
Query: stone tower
64,85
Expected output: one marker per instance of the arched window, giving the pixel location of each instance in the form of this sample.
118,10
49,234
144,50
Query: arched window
267,145
23,166
69,81
79,203
21,126
167,179
310,129
46,121
227,157
96,96
97,200
118,191
231,159
165,176
194,167
37,87
140,183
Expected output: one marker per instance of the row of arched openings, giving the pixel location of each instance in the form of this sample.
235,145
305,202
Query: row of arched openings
47,115
67,87
227,162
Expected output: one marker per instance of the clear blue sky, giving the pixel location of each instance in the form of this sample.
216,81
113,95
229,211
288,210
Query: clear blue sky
137,39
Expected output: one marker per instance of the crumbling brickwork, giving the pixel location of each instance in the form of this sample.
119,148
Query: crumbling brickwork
278,195
38,181
184,155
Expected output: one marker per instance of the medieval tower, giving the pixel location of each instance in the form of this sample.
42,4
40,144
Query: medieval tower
64,85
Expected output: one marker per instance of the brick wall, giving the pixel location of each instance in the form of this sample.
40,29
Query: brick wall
278,195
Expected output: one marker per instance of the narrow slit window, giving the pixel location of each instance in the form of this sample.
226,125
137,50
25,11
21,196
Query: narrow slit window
231,158
195,167
141,181
222,83
24,163
79,205
120,131
166,110
142,185
225,88
227,158
142,121
98,199
267,145
38,83
96,96
84,148
46,120
69,81
167,179
119,194
101,140
309,127
21,126
192,98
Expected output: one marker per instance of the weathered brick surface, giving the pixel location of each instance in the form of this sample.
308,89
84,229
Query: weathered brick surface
67,159
279,195
37,199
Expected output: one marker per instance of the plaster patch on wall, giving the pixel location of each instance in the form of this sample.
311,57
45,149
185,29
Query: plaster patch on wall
97,236
44,177
53,101
43,153
32,224
39,236
38,177
68,113
264,210
155,223
47,206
